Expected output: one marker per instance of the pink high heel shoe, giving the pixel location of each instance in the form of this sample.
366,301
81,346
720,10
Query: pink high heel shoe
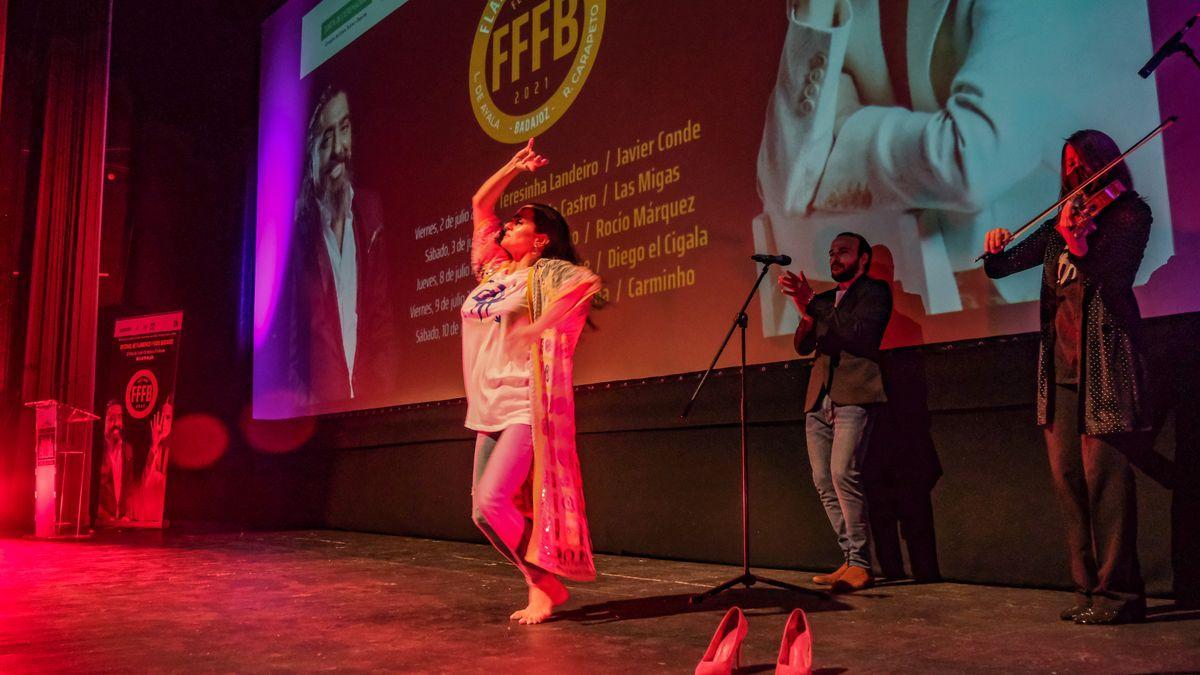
795,651
724,653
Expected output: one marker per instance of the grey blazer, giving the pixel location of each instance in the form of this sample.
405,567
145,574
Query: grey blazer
846,339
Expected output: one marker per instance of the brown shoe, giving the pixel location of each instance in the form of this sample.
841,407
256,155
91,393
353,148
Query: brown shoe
854,579
831,578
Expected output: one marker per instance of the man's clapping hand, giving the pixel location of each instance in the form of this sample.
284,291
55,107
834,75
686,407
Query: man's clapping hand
797,288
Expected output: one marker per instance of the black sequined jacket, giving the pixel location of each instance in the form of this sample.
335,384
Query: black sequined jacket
1114,391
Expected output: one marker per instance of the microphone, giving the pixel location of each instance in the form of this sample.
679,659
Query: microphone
781,260
1172,45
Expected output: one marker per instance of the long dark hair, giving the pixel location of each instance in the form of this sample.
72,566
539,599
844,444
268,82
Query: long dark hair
308,212
548,221
1096,149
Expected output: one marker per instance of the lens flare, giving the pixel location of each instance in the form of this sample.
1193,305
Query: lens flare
276,436
197,441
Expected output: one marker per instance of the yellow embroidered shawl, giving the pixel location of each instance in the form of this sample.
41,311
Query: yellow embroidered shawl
560,541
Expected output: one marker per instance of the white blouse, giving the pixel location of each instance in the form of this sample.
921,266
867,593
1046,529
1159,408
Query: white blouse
496,376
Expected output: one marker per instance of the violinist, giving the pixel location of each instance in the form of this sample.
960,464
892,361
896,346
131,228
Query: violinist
1092,397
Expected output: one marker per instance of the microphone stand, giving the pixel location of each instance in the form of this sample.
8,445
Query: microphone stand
746,578
1173,45
1183,47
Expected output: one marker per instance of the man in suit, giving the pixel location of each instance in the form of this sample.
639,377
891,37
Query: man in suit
844,326
117,473
340,323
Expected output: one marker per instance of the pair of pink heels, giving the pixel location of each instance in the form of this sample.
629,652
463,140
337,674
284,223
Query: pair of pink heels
724,653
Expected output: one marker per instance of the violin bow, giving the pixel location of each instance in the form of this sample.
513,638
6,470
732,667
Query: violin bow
1094,177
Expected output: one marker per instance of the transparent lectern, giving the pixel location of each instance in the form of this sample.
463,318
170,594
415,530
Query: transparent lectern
62,466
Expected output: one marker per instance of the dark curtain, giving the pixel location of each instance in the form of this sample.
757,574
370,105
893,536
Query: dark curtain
21,100
59,300
3,32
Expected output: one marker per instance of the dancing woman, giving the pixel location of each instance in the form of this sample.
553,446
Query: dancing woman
519,330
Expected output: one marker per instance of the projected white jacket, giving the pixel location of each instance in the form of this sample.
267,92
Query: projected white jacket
993,87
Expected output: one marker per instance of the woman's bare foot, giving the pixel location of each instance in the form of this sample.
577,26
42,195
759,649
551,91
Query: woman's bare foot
543,598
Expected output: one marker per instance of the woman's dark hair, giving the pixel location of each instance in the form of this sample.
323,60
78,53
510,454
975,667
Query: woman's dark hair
1096,149
548,221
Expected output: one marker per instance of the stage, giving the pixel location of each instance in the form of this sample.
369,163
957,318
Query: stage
321,600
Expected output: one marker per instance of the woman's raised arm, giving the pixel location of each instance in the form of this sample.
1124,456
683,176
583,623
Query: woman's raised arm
484,247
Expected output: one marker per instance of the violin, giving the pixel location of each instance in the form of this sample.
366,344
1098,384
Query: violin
1085,208
1095,203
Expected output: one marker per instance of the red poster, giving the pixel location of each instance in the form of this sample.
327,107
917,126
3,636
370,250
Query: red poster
137,417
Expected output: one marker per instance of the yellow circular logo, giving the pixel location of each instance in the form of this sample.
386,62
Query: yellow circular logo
529,61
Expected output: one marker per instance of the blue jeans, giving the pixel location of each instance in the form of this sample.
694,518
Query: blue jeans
502,463
837,443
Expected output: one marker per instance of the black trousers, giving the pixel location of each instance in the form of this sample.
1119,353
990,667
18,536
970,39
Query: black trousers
912,511
1096,493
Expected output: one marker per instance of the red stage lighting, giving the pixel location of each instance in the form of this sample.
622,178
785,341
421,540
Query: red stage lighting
276,436
198,441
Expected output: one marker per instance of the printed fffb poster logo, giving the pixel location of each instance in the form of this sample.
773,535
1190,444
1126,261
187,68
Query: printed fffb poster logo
529,61
138,413
141,393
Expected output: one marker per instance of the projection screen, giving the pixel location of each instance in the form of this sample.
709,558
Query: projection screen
683,136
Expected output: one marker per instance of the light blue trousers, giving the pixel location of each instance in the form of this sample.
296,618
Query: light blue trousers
837,444
502,463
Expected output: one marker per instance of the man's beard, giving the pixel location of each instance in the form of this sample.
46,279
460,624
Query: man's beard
335,193
112,436
846,274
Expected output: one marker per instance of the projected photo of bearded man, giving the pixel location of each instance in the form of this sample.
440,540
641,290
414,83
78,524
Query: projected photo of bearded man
117,477
330,158
339,272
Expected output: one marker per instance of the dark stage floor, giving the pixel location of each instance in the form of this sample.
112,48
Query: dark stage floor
300,601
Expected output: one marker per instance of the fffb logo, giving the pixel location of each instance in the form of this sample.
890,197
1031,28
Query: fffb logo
529,62
141,393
